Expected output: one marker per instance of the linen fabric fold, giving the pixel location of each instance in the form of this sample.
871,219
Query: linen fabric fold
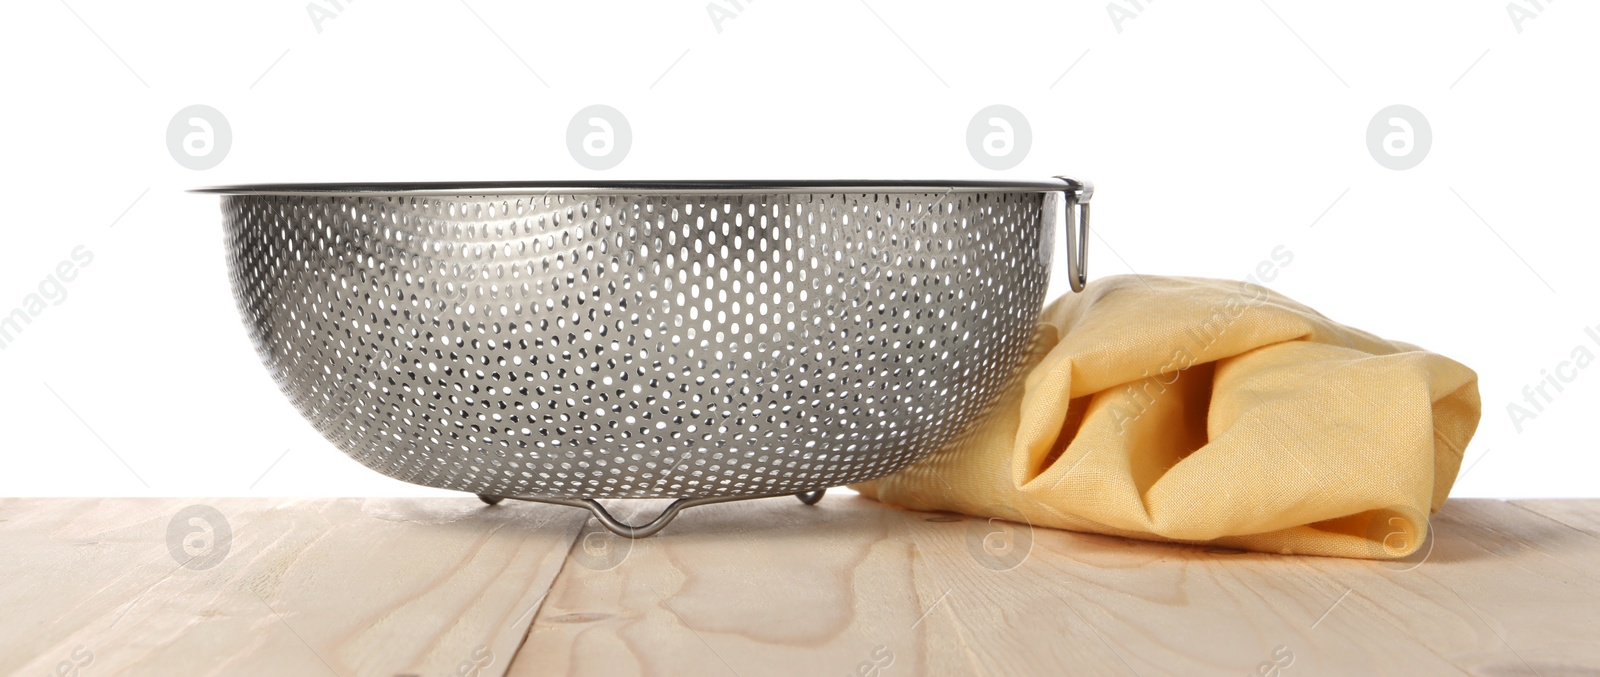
1209,411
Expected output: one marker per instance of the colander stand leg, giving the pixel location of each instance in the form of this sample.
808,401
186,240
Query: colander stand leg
625,530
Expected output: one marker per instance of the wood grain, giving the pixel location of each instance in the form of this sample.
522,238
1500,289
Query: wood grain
773,587
847,587
318,587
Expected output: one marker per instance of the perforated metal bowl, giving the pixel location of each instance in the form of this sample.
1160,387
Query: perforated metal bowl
703,341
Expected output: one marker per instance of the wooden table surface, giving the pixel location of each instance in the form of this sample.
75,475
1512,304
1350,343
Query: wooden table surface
450,587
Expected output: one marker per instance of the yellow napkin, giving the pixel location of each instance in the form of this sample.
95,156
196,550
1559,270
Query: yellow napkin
1194,410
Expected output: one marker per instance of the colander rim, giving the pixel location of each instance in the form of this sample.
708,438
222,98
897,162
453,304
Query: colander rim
684,187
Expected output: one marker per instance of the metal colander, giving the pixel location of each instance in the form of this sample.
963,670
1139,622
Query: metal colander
703,341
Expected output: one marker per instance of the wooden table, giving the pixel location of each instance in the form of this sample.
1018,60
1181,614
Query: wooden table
848,587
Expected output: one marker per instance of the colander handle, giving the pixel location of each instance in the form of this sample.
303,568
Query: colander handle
1077,196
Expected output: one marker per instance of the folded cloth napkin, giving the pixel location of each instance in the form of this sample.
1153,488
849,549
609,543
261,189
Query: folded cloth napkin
1209,411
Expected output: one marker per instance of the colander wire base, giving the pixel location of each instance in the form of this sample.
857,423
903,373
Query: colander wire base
626,530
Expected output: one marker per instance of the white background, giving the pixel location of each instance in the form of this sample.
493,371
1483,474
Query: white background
1214,134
